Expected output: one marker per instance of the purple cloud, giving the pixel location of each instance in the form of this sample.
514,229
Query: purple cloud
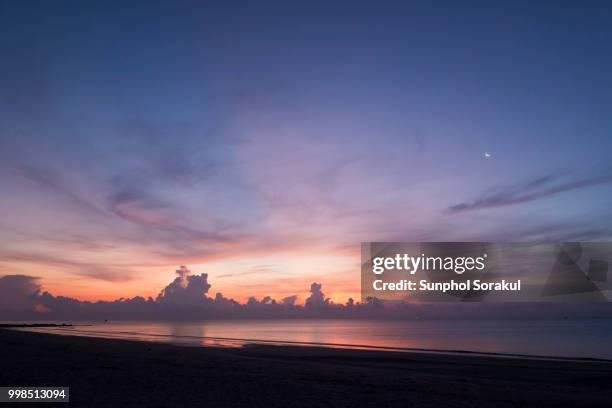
537,189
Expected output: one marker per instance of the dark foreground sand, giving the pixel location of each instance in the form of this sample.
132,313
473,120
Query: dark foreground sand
119,373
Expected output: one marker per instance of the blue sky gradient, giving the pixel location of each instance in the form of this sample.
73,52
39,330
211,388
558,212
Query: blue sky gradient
261,142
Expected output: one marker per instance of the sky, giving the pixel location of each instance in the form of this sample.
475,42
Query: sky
262,142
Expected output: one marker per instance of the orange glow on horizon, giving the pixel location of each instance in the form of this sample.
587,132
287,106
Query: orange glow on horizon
277,274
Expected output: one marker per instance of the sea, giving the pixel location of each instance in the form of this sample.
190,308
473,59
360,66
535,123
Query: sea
583,339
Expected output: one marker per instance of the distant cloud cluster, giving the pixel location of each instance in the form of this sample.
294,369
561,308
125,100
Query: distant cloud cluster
186,298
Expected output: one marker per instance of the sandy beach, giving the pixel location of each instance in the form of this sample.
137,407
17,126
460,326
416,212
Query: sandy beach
105,373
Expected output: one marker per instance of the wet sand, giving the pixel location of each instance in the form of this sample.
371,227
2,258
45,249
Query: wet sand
122,373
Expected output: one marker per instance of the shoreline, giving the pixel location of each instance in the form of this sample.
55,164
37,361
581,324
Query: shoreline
242,342
32,325
120,372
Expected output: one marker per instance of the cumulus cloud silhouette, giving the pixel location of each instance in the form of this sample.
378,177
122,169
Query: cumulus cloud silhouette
185,298
185,289
317,298
18,292
289,300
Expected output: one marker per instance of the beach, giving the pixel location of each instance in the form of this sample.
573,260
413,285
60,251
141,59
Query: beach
109,372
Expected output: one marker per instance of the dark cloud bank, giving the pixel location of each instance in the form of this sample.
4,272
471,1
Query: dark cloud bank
187,298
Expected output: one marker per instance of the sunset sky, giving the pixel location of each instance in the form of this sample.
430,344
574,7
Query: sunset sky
262,142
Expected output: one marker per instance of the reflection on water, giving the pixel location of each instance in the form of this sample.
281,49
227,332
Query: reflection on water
584,338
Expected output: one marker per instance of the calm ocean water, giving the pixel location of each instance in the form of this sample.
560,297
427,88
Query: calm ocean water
567,338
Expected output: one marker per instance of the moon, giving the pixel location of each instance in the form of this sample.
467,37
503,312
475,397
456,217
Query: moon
487,155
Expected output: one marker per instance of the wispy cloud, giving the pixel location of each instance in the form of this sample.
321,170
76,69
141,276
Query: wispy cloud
52,180
255,270
536,189
111,273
